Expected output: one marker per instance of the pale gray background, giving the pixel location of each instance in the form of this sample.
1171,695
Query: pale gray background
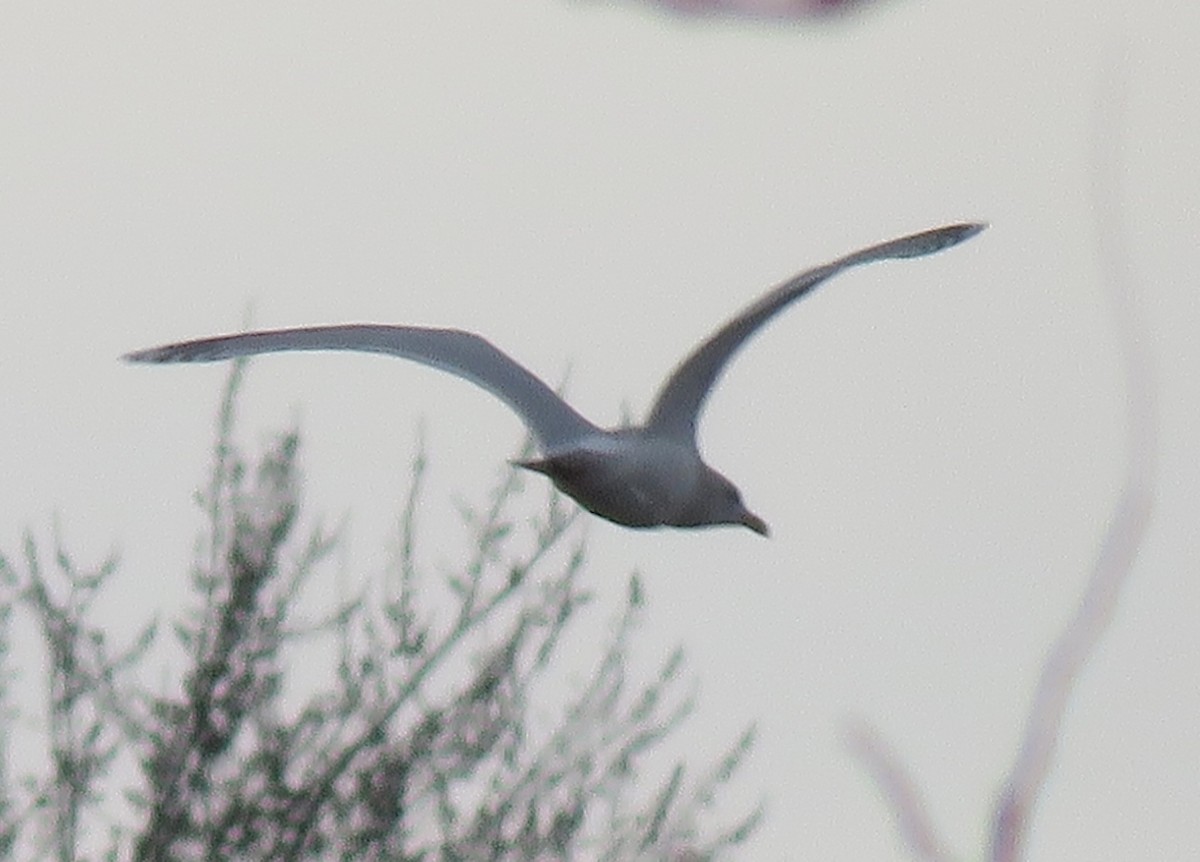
936,443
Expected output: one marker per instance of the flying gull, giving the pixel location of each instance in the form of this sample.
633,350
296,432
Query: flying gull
647,475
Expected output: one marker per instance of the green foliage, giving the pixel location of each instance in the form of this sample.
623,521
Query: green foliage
419,746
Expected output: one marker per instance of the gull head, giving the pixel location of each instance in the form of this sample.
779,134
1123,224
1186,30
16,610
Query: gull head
718,501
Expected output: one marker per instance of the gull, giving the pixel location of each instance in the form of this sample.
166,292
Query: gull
648,475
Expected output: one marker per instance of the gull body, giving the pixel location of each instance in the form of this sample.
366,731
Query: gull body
646,475
641,480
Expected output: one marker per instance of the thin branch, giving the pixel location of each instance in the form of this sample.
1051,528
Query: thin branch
1126,528
913,822
1114,562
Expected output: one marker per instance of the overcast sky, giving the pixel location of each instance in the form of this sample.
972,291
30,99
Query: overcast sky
936,443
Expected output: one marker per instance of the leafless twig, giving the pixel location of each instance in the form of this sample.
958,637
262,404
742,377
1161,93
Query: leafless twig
1114,562
1129,521
899,790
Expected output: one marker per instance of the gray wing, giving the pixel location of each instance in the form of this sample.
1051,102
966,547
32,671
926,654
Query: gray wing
463,354
679,402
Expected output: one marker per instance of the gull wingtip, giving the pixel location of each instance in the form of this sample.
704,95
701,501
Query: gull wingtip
967,229
149,355
137,356
941,238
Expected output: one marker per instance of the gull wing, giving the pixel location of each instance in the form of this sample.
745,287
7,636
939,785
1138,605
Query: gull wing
681,398
463,354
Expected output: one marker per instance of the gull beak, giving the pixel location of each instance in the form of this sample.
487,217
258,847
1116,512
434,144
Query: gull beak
755,523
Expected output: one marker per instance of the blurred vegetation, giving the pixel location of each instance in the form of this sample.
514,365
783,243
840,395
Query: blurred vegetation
440,733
